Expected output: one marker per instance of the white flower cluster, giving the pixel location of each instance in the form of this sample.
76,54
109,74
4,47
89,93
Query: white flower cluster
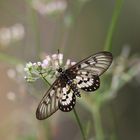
11,34
55,6
47,68
15,73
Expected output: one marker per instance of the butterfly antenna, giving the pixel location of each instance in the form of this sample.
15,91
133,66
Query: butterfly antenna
58,52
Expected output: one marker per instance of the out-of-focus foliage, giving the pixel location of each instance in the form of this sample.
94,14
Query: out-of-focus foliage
33,29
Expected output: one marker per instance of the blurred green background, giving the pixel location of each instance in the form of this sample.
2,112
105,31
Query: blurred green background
31,29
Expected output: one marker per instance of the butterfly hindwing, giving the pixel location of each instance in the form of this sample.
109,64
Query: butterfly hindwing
87,81
67,100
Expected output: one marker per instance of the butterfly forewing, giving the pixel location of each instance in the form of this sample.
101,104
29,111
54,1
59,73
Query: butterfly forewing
49,103
59,96
96,64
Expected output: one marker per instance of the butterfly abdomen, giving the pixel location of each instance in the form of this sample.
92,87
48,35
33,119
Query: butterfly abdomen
67,79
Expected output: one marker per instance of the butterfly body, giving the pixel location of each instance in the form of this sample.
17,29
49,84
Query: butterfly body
82,76
67,78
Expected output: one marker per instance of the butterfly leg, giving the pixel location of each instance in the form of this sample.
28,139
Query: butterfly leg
75,89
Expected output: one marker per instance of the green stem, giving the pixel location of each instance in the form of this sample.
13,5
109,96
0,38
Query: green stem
46,81
57,34
98,123
35,27
10,59
112,27
79,123
115,134
37,32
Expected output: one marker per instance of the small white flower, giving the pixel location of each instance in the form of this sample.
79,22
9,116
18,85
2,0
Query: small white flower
43,66
11,34
17,31
55,56
30,64
11,96
26,69
19,68
73,63
49,7
60,58
45,63
48,58
34,64
56,64
39,63
48,67
11,73
5,36
68,62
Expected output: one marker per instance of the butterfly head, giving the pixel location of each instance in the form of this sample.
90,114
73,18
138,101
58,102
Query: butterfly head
60,70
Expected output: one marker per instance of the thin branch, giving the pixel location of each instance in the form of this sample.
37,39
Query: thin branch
112,27
98,123
46,81
79,123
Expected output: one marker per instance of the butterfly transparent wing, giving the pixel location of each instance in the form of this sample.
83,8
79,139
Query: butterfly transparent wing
49,103
97,63
86,73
